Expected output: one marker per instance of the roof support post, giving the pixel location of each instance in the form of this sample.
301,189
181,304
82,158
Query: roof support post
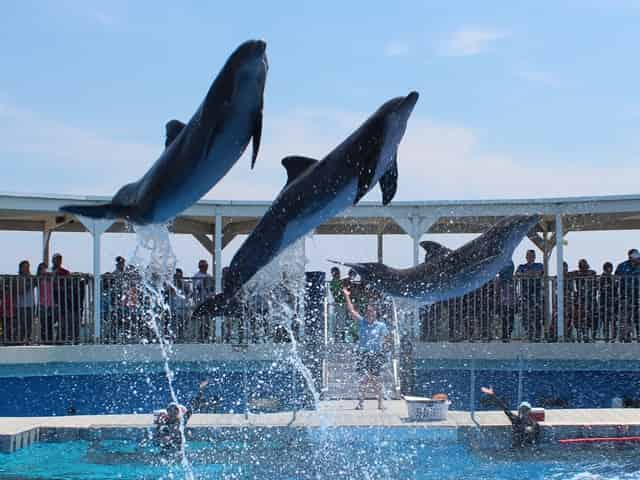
96,228
380,248
560,276
217,255
46,242
49,227
415,226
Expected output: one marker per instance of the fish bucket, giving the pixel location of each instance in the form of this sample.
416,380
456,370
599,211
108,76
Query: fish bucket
427,409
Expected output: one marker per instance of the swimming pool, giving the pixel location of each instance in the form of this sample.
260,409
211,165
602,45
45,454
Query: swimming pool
350,453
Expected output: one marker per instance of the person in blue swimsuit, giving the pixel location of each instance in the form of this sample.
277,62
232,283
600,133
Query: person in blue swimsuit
374,339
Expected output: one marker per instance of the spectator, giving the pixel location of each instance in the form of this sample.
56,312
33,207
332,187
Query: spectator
530,279
45,303
340,314
25,303
374,340
629,273
7,309
607,301
202,281
569,296
584,313
63,293
120,264
630,266
57,268
504,286
177,299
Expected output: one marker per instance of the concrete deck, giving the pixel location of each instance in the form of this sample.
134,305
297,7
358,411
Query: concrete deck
18,432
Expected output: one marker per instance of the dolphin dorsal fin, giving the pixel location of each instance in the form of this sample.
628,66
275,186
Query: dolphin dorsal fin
173,129
296,165
434,250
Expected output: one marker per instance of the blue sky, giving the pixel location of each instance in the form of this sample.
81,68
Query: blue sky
517,99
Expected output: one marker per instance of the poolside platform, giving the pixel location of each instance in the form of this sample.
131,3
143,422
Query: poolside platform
19,432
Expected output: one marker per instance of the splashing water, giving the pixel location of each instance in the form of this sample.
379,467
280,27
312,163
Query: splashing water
283,281
154,260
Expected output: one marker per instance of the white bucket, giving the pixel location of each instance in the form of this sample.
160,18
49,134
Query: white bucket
426,409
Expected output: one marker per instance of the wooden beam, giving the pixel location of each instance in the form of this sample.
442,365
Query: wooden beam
205,241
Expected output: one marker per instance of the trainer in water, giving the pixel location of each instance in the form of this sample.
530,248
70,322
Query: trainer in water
200,153
318,190
525,430
451,273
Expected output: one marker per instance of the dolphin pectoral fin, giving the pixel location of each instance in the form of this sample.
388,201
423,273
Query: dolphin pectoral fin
389,182
257,135
366,172
105,210
296,165
172,129
434,250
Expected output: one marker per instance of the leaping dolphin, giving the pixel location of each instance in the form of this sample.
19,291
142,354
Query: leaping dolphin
200,153
450,273
318,190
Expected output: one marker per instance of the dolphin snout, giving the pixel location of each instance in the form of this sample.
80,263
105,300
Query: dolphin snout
260,46
409,102
412,98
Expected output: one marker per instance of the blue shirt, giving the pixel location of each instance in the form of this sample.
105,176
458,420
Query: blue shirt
372,335
627,268
529,269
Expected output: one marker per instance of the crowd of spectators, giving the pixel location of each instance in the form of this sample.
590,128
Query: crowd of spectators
41,307
50,306
597,306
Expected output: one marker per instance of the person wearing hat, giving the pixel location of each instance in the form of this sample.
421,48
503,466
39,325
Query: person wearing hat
525,431
629,288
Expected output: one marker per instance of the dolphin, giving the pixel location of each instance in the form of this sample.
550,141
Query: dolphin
450,273
318,190
200,153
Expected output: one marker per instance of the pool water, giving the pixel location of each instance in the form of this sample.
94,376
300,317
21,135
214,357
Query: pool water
354,453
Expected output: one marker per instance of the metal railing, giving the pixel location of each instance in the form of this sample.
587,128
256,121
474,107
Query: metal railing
596,308
54,309
48,309
125,314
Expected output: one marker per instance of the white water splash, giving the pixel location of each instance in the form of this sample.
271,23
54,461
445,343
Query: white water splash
155,262
283,282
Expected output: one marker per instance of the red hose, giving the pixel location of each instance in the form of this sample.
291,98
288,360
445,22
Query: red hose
599,440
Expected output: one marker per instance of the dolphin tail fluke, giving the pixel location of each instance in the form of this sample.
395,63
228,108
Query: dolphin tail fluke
105,210
213,306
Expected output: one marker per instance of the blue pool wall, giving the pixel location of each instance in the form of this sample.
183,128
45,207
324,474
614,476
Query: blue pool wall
122,388
144,388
